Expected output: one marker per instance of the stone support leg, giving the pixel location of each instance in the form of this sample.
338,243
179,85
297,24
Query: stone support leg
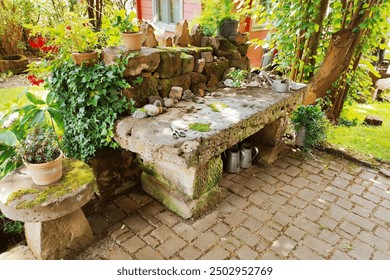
269,141
59,238
191,193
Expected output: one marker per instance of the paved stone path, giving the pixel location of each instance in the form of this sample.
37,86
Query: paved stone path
321,208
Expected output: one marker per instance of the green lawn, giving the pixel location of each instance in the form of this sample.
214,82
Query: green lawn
14,95
368,140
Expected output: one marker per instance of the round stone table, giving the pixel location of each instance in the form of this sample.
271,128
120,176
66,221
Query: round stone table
55,226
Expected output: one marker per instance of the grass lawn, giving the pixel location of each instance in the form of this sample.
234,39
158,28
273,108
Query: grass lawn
368,140
14,95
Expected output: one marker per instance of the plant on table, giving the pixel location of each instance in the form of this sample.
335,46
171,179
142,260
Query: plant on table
238,76
127,24
312,120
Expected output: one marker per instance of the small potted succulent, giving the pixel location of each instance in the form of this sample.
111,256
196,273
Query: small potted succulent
310,124
41,154
128,25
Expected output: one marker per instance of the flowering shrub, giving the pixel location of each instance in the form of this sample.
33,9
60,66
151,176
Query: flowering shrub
34,80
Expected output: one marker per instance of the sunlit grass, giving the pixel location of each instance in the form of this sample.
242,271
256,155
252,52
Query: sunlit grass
368,140
15,96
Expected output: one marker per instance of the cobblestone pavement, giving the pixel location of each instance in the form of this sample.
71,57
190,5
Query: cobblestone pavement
321,208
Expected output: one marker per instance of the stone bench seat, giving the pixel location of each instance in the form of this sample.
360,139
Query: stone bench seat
184,173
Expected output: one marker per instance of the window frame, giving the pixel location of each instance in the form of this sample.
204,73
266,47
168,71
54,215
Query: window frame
167,26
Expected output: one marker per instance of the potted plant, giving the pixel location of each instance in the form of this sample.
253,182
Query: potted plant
310,125
218,18
73,37
128,25
41,154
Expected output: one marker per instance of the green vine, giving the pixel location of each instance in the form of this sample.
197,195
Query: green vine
90,101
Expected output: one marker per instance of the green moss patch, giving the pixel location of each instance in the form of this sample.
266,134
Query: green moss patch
202,127
218,106
75,174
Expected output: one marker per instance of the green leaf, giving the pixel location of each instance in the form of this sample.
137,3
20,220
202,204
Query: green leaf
57,117
33,99
50,97
94,100
38,118
8,138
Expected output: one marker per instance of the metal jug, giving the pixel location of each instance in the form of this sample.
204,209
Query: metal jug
233,160
246,155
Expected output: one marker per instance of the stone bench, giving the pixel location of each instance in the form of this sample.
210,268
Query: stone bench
55,226
183,174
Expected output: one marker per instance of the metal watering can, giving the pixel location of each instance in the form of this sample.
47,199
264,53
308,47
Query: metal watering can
247,156
279,85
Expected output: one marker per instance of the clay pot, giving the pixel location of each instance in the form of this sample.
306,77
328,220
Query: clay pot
228,28
85,59
46,173
133,41
16,63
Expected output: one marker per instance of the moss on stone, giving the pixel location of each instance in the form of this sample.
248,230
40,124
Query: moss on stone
207,201
187,63
75,174
202,127
208,176
218,106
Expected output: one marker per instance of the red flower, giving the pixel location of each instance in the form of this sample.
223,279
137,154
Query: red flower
34,80
68,28
37,42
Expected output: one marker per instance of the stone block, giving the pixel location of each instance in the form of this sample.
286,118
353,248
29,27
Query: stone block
150,38
199,65
111,176
196,52
140,93
210,42
178,203
271,134
267,155
147,59
207,56
176,93
17,63
170,63
227,50
182,34
59,238
241,63
239,39
217,68
373,120
243,49
197,81
187,63
213,81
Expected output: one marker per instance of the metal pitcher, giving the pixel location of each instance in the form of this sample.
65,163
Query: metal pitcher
247,156
233,160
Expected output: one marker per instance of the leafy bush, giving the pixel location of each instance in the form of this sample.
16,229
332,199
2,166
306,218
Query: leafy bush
238,76
90,101
314,121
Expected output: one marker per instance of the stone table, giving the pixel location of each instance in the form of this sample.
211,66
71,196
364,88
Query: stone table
55,226
184,173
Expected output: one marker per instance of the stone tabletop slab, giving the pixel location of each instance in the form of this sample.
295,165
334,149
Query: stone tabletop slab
22,200
246,112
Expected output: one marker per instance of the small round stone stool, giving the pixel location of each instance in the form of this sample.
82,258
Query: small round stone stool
55,226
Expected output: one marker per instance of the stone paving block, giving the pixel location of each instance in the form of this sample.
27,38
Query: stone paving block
383,214
98,223
361,251
292,171
226,208
362,222
372,197
170,247
336,212
206,240
307,194
124,237
270,256
190,253
119,230
253,224
135,222
356,189
221,229
246,236
290,210
340,183
235,218
298,202
339,255
151,241
386,204
379,192
289,189
152,209
364,212
344,203
148,253
169,218
204,223
285,178
312,213
367,175
116,253
237,201
225,183
268,233
254,184
281,218
305,253
306,225
141,198
349,228
363,202
246,253
299,182
126,204
329,236
146,230
346,176
238,178
133,244
337,191
294,233
258,197
381,256
230,243
113,213
162,233
258,213
283,246
278,199
328,197
266,178
269,189
320,247
239,190
187,232
216,253
329,173
326,222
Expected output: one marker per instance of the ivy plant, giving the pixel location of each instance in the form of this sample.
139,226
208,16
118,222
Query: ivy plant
90,101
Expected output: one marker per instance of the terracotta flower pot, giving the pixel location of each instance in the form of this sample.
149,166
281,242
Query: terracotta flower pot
46,173
133,41
86,59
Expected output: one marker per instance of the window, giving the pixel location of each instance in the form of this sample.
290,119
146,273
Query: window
168,12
